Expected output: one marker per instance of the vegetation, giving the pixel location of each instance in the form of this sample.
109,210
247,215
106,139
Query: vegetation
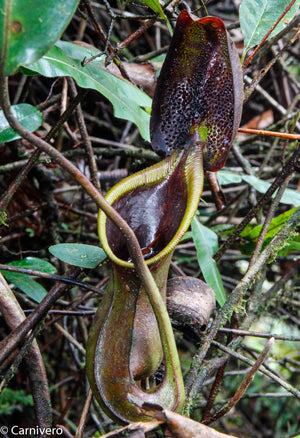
76,87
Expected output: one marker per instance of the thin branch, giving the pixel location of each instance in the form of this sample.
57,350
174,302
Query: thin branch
234,302
269,374
287,170
83,418
40,274
247,62
18,334
240,332
85,138
213,393
18,181
13,316
270,133
70,338
244,385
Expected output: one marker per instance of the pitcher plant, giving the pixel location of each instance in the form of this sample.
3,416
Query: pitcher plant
195,116
124,345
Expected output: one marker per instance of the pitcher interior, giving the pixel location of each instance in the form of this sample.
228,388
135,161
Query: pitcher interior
153,211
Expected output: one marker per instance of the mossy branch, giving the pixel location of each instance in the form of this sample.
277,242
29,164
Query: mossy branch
198,372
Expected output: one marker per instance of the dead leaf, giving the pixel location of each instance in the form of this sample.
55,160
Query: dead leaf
142,75
182,427
261,121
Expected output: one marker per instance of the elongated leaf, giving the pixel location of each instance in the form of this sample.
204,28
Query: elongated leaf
258,16
78,254
64,59
24,282
206,242
34,263
29,28
228,177
290,197
27,285
155,6
29,117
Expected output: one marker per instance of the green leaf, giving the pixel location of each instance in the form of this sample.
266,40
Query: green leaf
29,117
29,28
128,101
34,263
27,285
155,6
290,197
275,225
251,232
226,177
258,16
24,282
206,242
78,254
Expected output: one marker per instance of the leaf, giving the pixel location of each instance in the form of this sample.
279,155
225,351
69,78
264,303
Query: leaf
29,117
180,426
199,93
24,282
78,254
228,177
206,242
250,235
27,285
258,16
34,263
275,225
155,6
30,28
64,59
291,197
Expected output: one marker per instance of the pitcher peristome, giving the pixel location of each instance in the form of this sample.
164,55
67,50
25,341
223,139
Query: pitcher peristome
124,342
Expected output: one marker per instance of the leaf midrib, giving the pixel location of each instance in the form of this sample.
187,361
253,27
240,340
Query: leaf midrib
109,92
257,24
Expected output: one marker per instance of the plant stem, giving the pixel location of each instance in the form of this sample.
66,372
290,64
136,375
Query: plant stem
13,315
159,308
15,337
245,383
54,277
270,133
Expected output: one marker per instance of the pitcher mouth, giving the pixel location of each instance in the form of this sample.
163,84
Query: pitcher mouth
158,203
